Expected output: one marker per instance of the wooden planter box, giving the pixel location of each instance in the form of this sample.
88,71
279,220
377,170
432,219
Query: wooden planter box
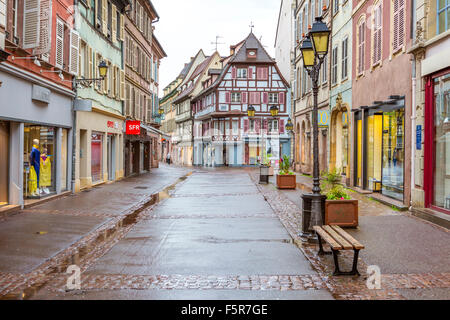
286,181
343,213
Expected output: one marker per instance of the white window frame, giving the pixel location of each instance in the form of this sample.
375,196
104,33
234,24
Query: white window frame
273,97
241,73
236,97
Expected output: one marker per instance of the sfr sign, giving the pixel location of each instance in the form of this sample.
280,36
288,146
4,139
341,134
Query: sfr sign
133,127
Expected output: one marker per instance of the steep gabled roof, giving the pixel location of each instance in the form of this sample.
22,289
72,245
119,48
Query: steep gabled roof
251,42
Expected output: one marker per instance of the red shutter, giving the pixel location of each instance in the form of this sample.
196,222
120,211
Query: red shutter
244,97
250,73
265,97
227,97
265,124
258,125
257,98
396,21
266,74
258,74
245,125
281,126
281,97
233,72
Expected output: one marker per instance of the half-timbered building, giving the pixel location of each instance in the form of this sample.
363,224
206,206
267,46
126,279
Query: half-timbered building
223,132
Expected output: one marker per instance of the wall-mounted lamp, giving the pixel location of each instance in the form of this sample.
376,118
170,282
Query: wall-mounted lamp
35,59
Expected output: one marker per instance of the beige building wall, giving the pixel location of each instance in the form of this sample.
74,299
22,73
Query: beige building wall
96,121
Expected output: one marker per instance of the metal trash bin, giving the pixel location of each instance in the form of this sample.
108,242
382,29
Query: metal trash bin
264,174
307,230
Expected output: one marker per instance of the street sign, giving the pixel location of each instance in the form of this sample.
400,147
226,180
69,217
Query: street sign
419,137
133,127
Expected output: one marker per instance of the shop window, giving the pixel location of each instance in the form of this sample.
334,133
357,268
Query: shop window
39,162
441,187
64,157
97,157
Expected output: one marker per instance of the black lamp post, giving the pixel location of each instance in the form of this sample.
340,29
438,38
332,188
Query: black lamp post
314,49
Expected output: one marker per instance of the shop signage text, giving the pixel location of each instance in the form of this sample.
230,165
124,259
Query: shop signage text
40,94
133,127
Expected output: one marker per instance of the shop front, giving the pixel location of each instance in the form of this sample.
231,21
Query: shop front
99,146
380,147
437,142
137,151
36,138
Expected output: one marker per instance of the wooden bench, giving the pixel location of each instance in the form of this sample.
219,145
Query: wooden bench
338,240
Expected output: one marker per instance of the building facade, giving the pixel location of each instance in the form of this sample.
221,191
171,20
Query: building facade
142,55
99,131
305,13
223,132
36,99
341,88
381,151
430,185
183,140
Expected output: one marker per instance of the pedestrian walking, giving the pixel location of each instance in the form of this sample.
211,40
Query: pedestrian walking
168,158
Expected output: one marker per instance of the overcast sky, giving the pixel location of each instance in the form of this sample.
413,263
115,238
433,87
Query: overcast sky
186,26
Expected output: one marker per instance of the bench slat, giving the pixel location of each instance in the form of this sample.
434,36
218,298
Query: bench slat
348,237
325,236
344,243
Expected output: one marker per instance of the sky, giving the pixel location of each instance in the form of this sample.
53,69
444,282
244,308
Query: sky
186,26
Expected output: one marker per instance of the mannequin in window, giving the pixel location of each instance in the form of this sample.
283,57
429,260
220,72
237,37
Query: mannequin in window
35,157
45,178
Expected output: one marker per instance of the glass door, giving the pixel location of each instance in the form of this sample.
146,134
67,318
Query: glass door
96,157
393,154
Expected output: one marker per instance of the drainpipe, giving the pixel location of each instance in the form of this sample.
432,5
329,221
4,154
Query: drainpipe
413,126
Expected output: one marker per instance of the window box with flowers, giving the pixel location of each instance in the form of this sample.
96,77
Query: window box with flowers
340,209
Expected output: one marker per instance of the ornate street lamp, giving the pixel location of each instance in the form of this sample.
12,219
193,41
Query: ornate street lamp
251,111
161,110
289,125
313,53
274,111
102,71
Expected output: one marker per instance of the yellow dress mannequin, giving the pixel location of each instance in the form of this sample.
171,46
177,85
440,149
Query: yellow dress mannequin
45,177
32,181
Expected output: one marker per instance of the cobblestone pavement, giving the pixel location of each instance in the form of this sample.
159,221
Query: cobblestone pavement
345,287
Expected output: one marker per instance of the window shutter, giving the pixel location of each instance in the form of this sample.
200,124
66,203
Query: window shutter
105,17
233,72
74,52
122,85
265,97
257,98
90,63
31,23
395,31
265,124
258,125
281,97
136,105
245,125
244,97
281,127
227,97
250,73
113,23
127,99
59,57
122,28
45,15
401,23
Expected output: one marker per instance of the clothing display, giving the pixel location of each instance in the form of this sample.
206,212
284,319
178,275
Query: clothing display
32,181
45,179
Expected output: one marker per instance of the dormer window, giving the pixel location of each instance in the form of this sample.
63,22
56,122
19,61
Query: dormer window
251,53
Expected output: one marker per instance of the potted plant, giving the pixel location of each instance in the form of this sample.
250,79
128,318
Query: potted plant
286,179
268,163
340,209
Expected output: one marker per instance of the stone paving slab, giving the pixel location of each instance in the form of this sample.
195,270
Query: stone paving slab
203,246
22,249
403,244
193,294
214,205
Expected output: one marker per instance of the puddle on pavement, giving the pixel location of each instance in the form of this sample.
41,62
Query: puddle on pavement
217,240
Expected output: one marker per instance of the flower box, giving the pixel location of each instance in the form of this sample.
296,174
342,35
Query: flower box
343,213
286,181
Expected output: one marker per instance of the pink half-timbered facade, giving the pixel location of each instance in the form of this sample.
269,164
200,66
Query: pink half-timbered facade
223,133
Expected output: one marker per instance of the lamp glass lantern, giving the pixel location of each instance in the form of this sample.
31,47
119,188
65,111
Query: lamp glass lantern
307,52
102,69
161,110
320,35
289,125
274,111
251,111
